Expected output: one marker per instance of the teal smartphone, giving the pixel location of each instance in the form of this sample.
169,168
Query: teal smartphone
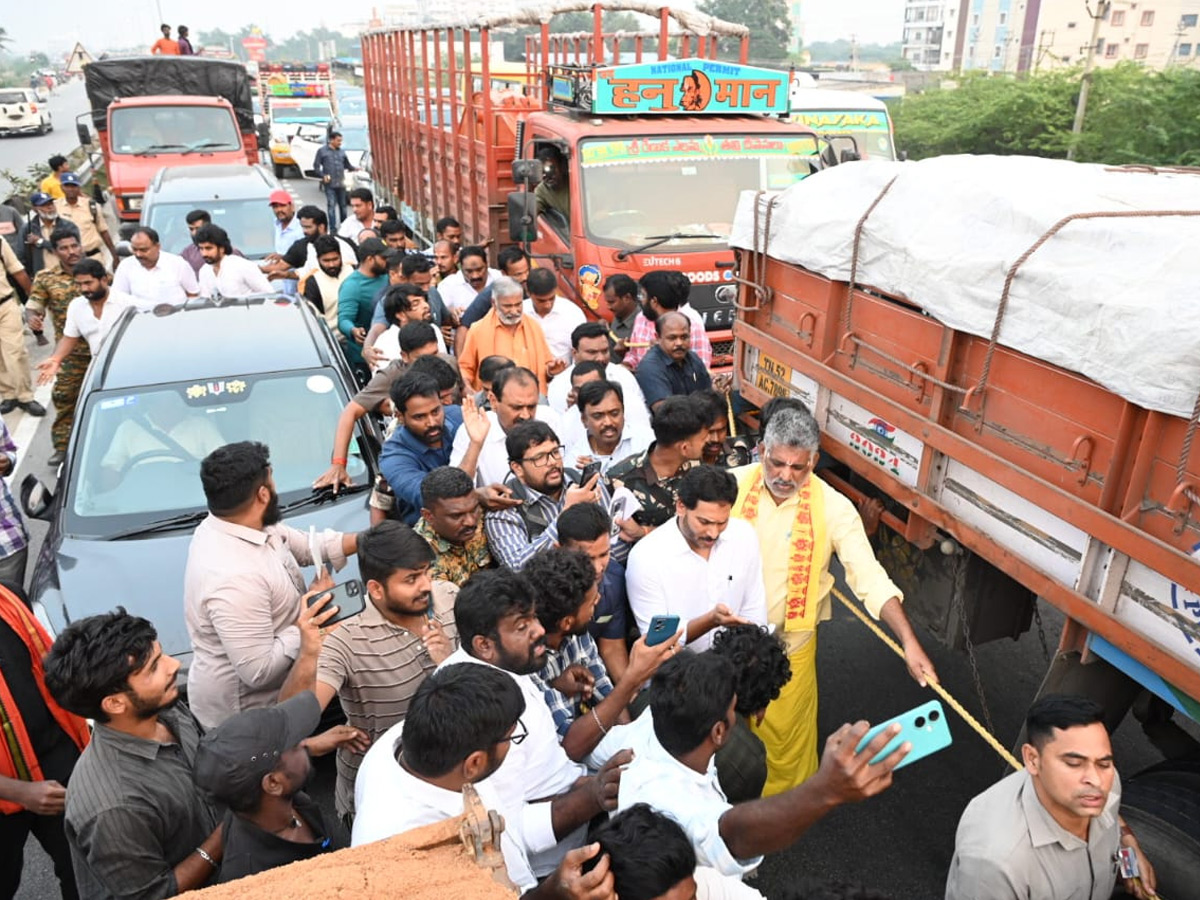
923,726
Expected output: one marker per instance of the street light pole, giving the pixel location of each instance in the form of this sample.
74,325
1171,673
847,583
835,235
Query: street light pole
1085,83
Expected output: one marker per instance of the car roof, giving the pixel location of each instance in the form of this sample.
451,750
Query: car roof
223,182
237,337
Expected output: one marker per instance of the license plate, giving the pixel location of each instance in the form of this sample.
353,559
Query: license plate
773,377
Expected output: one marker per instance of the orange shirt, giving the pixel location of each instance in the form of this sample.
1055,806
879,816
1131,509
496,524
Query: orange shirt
525,345
165,47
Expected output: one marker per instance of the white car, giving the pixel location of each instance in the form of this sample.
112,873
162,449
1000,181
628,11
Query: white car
21,112
309,139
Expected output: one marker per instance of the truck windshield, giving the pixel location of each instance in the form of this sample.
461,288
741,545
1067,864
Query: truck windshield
249,223
870,130
300,111
172,129
637,189
140,452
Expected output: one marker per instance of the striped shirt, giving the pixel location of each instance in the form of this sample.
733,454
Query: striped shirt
376,667
133,812
575,649
13,536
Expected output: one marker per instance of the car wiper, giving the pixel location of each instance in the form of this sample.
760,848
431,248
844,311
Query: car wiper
207,145
168,524
654,240
323,495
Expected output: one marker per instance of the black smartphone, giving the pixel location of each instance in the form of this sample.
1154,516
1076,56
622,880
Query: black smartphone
588,471
349,597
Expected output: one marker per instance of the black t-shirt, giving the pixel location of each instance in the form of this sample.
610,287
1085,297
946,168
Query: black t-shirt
249,849
55,750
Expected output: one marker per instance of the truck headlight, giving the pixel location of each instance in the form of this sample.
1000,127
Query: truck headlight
133,202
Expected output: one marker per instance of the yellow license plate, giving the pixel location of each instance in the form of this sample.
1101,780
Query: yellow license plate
773,377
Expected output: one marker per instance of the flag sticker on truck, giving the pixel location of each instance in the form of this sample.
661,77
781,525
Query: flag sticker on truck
873,437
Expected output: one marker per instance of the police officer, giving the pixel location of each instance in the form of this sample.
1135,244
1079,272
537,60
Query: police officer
87,216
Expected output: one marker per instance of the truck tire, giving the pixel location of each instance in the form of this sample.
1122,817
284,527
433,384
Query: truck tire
1164,813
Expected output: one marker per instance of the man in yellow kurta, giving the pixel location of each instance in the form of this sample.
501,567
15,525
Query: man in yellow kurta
801,521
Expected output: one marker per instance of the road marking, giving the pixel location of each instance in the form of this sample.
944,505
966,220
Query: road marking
27,425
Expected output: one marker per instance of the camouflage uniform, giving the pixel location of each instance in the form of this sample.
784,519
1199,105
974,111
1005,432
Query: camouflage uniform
53,291
656,496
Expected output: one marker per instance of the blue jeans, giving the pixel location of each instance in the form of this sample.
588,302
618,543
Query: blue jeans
335,204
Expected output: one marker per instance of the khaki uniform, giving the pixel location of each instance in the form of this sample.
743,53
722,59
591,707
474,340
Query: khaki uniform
52,292
16,382
88,216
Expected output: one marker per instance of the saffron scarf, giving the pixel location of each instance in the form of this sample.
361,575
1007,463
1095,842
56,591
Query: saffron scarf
806,550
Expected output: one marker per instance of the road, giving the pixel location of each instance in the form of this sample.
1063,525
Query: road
20,152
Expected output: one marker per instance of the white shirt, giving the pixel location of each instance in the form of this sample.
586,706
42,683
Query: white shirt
238,277
712,885
665,576
633,440
692,799
81,322
636,412
492,467
170,281
388,344
389,800
536,769
457,292
351,228
563,318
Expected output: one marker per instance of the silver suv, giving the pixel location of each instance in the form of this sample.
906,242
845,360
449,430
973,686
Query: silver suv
21,112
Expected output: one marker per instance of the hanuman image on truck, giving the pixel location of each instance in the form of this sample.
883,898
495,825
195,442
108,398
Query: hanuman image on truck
647,153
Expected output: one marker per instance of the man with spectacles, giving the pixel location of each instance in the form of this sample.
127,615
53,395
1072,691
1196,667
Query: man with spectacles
545,488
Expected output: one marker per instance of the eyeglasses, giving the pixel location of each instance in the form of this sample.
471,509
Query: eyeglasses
520,732
543,459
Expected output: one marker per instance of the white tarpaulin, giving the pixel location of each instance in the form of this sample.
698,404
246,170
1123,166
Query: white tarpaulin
1115,299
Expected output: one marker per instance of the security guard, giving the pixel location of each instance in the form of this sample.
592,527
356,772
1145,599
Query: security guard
87,216
53,290
16,381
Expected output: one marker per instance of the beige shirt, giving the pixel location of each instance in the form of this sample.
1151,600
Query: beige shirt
10,263
90,226
241,598
1008,846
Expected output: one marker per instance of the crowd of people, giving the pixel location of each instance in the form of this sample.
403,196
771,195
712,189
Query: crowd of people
576,595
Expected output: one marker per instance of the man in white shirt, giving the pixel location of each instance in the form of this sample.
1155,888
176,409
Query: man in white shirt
224,273
557,315
702,565
90,316
608,437
590,343
473,275
414,775
497,627
362,214
152,275
693,701
516,400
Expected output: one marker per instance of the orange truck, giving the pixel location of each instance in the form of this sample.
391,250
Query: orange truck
998,349
151,112
656,147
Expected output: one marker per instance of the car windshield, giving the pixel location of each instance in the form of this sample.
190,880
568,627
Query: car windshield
300,111
646,188
12,97
869,129
353,105
249,223
172,129
140,451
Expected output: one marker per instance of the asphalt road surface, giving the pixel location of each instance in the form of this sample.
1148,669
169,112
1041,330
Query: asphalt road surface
19,152
899,843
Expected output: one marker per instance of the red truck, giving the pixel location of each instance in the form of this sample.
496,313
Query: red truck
996,348
656,148
156,111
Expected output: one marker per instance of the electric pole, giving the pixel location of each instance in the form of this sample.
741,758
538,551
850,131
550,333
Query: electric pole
1085,83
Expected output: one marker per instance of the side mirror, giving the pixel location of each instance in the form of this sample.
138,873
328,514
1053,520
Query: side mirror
36,498
522,227
85,136
527,171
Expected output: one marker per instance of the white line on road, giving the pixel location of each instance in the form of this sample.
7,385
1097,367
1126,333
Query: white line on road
27,425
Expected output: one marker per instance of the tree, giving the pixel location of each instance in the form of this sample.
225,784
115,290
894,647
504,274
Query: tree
770,27
5,39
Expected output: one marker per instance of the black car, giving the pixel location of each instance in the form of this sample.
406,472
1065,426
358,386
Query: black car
166,389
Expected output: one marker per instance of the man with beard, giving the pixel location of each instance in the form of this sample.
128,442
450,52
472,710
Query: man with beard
445,260
554,192
801,522
415,775
665,291
37,253
716,409
507,331
242,588
497,627
136,823
574,679
196,219
621,297
301,257
375,661
257,764
90,316
323,284
545,488
287,230
671,368
514,262
416,270
403,304
356,298
701,566
451,522
223,273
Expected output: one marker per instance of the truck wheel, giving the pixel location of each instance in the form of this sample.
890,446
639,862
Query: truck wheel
1164,813
280,171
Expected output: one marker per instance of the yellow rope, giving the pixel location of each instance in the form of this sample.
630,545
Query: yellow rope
941,691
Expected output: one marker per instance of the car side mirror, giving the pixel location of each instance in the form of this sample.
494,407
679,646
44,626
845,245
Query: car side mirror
36,498
85,136
521,217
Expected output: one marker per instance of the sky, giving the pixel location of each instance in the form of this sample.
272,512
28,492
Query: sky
872,21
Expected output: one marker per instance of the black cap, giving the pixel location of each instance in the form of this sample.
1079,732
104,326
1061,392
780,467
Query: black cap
233,758
371,247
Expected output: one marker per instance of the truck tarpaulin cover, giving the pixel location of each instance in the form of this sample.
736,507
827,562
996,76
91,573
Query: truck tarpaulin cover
1110,298
143,76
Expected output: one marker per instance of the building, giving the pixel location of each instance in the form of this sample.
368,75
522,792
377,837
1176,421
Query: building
1038,35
